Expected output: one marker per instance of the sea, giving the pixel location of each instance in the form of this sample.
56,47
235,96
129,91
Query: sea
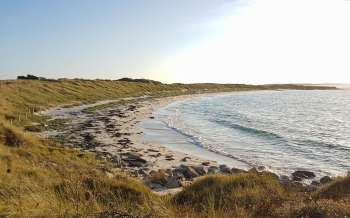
283,130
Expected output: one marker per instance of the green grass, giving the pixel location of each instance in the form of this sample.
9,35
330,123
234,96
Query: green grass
41,178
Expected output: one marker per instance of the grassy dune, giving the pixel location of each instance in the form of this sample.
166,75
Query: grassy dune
40,178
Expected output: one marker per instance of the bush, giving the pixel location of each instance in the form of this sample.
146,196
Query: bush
314,209
340,188
12,137
249,192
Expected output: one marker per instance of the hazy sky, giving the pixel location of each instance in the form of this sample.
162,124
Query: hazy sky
237,41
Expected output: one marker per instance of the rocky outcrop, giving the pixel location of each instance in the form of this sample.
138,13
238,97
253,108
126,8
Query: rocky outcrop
188,171
133,159
300,175
325,179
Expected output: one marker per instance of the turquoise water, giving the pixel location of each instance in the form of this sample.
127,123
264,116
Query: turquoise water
281,130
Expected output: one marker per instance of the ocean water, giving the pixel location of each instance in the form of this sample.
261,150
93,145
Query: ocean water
281,130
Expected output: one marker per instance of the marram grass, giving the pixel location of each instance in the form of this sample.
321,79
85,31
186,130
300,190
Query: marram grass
41,178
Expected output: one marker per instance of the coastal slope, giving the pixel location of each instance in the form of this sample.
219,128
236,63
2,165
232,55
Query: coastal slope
43,178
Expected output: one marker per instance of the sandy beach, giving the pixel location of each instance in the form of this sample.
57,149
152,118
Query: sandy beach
112,130
123,132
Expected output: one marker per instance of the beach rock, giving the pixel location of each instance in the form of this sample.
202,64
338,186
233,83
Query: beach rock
213,170
152,150
200,170
133,159
142,172
299,175
206,163
158,177
152,185
132,156
185,159
177,172
261,168
172,182
155,155
188,172
325,179
169,157
225,169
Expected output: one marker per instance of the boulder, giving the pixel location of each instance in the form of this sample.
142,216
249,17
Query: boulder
133,156
152,185
142,172
299,175
169,158
133,159
200,170
213,170
325,179
225,169
172,182
185,159
206,163
188,171
152,150
261,168
178,174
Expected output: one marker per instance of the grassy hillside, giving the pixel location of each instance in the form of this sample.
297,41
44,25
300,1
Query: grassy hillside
40,178
20,99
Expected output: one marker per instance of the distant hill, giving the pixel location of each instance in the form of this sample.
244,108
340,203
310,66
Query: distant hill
126,79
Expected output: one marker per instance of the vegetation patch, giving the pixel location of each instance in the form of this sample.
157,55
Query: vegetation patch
250,192
340,188
41,178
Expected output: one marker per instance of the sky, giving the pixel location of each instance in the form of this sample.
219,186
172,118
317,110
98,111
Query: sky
221,41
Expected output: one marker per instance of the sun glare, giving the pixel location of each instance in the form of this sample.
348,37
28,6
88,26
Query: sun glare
270,41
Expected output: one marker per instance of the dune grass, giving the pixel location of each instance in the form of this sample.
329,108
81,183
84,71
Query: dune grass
243,194
41,178
252,195
340,188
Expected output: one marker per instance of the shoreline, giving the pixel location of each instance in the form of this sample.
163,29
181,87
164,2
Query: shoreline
115,135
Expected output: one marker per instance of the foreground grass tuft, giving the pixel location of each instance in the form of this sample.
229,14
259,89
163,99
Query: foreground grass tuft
340,188
40,179
244,192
